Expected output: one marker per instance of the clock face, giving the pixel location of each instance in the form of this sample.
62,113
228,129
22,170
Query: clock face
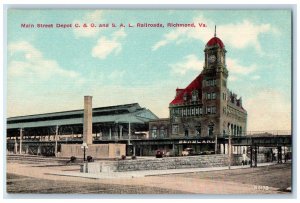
211,58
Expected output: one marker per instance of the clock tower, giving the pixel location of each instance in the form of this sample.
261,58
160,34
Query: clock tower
206,107
214,84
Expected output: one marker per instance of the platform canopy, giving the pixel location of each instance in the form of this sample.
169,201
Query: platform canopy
127,113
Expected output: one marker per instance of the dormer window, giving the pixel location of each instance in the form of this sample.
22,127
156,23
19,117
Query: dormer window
195,95
185,97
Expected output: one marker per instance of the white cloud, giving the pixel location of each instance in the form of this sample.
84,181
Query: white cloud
105,46
116,74
92,17
238,35
256,77
268,110
244,34
235,67
33,64
232,78
191,62
159,44
119,34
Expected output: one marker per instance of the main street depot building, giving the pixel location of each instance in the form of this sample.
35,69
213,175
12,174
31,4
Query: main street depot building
201,115
206,108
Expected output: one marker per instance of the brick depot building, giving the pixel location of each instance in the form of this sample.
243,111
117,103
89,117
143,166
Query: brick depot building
206,108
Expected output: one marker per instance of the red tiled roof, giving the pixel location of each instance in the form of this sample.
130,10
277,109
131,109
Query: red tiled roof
196,84
215,40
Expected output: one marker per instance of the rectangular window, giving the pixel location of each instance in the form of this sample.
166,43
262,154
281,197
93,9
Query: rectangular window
208,96
213,110
207,83
193,111
154,132
201,112
175,129
208,110
213,95
212,82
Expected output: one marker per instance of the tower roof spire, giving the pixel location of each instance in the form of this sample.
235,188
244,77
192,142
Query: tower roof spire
215,30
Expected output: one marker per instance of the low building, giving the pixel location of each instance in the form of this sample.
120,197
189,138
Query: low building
109,125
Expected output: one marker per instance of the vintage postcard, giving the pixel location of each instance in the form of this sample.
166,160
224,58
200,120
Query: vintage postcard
149,101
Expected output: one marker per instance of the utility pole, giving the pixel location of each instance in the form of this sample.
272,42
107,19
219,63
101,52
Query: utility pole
21,139
229,151
56,138
216,144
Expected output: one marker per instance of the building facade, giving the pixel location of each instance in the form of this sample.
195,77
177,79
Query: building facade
206,107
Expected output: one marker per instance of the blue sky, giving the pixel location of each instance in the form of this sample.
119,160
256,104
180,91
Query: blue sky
51,70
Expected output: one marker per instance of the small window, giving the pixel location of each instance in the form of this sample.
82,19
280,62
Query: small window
194,98
186,132
210,129
154,132
162,131
213,110
208,96
208,110
185,97
213,95
195,95
175,128
198,130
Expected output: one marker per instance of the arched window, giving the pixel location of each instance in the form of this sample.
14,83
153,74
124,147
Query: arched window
185,97
186,132
175,129
195,95
228,129
211,129
162,132
154,132
198,130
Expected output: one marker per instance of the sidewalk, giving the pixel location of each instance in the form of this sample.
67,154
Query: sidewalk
136,174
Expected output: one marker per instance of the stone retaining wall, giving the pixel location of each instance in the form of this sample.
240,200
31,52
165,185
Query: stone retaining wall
173,163
111,150
203,161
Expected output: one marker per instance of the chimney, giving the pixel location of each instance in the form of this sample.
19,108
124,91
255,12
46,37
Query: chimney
178,91
88,120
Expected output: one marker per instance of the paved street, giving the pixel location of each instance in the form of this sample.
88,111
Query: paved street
32,177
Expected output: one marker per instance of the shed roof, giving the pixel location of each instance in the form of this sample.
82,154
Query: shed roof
132,113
